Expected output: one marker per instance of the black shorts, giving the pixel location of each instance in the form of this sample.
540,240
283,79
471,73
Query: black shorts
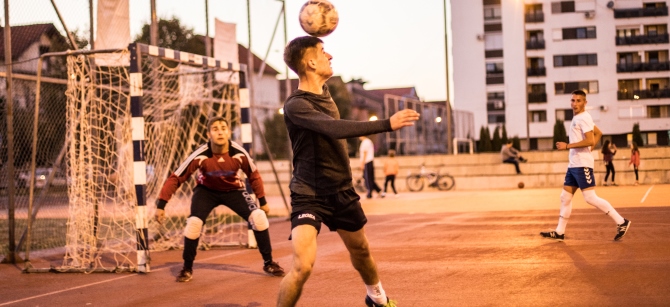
204,200
338,211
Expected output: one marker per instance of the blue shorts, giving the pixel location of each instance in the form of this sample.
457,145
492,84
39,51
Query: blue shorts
581,177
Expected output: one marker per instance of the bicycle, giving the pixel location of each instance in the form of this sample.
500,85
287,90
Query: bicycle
443,182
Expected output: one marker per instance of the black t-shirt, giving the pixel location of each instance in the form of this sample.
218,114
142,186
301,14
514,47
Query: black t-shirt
318,138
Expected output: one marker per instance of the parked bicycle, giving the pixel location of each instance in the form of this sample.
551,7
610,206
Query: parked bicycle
441,181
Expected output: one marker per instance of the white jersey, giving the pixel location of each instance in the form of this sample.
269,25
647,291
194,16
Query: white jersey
367,146
580,125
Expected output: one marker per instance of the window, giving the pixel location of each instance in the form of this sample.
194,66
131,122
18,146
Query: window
538,116
589,87
492,13
562,7
493,41
495,95
652,56
658,111
494,68
564,114
627,32
579,33
539,88
576,60
654,30
496,118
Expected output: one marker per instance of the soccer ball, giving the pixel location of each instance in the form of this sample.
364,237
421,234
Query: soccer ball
318,17
521,185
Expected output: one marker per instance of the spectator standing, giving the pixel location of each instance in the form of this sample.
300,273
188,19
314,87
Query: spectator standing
608,151
634,160
390,171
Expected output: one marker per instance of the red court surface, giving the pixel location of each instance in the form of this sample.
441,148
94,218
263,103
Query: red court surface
432,249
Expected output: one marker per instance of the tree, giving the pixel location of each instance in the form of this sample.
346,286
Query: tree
637,136
484,140
504,135
172,35
496,142
559,132
516,143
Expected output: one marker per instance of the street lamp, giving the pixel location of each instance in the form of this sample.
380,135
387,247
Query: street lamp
438,119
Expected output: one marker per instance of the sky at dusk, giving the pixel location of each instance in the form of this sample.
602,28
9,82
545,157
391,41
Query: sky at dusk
388,43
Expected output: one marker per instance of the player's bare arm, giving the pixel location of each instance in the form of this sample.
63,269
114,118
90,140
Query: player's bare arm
597,134
586,142
404,118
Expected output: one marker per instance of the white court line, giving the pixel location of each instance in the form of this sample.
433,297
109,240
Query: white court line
122,277
646,194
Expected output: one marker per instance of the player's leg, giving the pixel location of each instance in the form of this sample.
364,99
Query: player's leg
393,184
202,203
607,171
372,178
636,176
304,254
387,180
587,185
244,205
369,179
349,220
570,186
613,172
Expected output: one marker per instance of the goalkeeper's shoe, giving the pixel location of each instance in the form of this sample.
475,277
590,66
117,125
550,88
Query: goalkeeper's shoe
370,303
273,269
553,235
185,275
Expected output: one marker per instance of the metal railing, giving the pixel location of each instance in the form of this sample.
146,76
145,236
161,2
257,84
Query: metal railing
641,12
642,39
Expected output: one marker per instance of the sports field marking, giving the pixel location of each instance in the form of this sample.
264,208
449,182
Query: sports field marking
118,278
646,194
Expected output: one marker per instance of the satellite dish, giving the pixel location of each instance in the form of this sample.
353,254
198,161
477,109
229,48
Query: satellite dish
610,4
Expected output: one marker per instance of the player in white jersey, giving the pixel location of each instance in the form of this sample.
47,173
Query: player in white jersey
583,135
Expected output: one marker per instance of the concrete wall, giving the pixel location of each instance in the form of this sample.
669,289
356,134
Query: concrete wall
486,172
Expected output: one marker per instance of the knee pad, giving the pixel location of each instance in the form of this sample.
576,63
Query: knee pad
258,220
193,227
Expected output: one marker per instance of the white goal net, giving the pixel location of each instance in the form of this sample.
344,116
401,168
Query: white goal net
178,95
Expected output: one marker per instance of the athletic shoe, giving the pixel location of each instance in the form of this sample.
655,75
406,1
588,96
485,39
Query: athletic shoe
370,303
383,194
622,229
185,275
553,235
273,269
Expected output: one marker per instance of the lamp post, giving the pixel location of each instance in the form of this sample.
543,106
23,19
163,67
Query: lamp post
446,53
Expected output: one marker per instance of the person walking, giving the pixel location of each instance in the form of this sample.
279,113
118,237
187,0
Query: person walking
635,160
390,171
583,136
367,157
608,151
321,187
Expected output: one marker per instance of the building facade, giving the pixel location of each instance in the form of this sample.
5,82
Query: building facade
516,62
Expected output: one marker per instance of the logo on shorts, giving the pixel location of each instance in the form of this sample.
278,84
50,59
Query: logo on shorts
307,216
587,174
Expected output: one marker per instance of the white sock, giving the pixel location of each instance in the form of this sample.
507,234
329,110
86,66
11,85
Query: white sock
604,206
377,294
566,210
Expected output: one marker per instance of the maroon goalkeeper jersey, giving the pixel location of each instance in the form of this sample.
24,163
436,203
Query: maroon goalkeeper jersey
217,172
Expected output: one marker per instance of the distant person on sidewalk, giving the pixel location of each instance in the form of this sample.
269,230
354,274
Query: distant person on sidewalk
511,155
583,136
367,155
608,151
634,160
390,171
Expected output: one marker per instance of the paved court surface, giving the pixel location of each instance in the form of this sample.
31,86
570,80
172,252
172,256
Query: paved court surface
432,249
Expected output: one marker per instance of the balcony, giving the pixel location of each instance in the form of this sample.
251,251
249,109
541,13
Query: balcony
495,78
641,12
642,39
537,17
535,44
493,53
643,66
643,94
537,97
536,72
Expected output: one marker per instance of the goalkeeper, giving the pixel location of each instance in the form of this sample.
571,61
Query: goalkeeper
218,162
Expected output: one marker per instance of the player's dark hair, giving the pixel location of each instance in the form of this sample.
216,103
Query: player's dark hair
215,119
295,50
391,153
579,92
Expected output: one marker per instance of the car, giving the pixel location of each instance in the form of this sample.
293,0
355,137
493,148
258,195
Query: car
41,176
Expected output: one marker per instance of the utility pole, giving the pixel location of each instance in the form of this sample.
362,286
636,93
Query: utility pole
448,103
9,108
153,27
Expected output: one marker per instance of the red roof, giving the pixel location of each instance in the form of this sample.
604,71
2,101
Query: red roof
243,55
408,92
24,36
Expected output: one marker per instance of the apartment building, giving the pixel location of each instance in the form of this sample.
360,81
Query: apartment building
515,62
